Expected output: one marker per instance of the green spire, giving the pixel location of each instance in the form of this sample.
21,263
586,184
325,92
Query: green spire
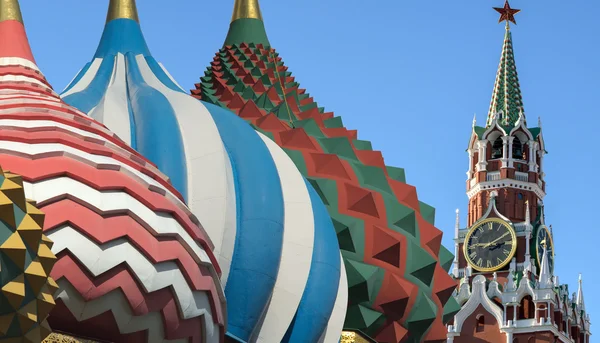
246,25
507,92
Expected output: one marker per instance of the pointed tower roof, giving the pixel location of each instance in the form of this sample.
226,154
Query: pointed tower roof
545,277
506,97
13,39
246,24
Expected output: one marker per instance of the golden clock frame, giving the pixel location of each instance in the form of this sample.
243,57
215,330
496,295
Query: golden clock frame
539,253
512,253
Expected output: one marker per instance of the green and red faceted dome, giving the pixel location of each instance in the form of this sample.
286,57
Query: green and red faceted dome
399,288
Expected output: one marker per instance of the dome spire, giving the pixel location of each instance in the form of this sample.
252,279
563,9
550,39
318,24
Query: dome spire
13,39
506,96
249,9
10,10
122,9
247,25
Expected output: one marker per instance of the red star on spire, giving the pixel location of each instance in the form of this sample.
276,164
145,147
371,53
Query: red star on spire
506,13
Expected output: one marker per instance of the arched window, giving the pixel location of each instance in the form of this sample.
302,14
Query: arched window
517,149
480,323
527,308
497,148
520,196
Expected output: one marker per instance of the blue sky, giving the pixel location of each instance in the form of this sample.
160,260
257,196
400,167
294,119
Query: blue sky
409,75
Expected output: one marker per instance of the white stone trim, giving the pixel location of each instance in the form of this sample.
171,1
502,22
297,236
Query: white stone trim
478,297
506,183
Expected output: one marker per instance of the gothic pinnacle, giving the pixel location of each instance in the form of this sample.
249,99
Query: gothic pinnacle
10,10
121,9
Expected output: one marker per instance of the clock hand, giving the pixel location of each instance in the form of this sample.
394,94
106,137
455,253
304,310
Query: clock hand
496,240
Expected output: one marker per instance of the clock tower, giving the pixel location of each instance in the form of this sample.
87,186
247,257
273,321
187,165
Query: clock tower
504,263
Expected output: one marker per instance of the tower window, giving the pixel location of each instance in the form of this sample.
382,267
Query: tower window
497,148
480,323
520,196
517,150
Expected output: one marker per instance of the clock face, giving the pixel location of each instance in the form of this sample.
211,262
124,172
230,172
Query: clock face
543,238
490,245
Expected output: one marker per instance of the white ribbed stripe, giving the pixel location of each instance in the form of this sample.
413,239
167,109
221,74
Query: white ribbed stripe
21,78
7,61
85,81
113,201
37,149
335,325
297,248
100,259
211,190
113,110
170,77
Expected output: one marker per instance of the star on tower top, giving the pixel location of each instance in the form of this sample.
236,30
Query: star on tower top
506,13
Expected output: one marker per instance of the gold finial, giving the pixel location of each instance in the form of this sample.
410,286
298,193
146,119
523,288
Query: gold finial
10,10
246,9
122,9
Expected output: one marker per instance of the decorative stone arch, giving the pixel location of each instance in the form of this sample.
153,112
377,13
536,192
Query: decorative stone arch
527,308
524,290
494,126
478,297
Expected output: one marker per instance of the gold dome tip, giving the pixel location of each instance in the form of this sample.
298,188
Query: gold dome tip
122,9
10,10
246,9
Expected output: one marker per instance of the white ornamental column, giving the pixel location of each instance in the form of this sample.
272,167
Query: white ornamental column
511,158
533,147
482,165
505,151
470,171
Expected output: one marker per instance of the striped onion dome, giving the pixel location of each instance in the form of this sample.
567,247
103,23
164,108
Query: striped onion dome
275,242
134,264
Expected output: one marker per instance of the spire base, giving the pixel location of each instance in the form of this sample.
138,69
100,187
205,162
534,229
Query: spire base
247,30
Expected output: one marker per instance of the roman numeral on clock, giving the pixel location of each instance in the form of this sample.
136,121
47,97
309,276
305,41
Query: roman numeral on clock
473,255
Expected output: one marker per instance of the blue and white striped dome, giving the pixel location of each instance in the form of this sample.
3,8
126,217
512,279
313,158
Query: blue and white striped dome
282,271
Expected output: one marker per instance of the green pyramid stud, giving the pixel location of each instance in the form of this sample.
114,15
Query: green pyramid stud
420,264
360,317
396,173
450,310
427,212
446,258
421,317
364,281
339,146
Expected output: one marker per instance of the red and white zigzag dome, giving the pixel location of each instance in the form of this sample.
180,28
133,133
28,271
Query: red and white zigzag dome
134,265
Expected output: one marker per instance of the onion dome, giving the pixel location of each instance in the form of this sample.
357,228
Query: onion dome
399,287
133,264
25,263
282,271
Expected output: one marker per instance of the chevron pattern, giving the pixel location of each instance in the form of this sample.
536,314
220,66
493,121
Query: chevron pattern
134,264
